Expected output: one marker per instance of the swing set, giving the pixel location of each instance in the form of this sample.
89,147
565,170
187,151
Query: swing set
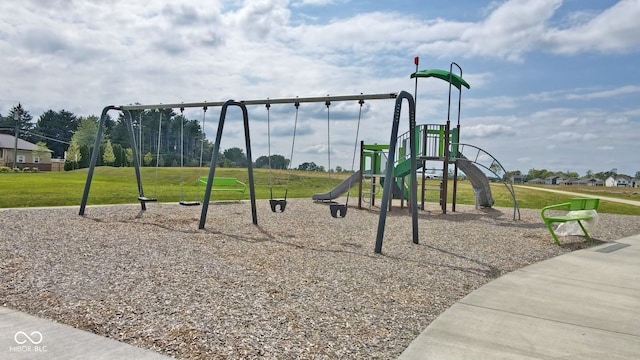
276,204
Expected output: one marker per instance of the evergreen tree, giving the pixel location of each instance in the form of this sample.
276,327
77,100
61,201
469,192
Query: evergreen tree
128,154
85,157
148,158
119,132
121,155
108,157
57,129
6,125
24,122
146,126
73,155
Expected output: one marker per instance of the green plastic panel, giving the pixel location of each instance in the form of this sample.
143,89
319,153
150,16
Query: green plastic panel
445,75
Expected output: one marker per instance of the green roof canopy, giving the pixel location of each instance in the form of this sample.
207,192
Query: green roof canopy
456,80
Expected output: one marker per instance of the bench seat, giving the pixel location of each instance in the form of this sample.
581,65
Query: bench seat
576,204
225,184
571,217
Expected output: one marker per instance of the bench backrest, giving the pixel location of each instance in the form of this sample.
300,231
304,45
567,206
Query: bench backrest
583,204
225,181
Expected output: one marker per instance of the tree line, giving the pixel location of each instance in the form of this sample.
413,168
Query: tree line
544,173
159,135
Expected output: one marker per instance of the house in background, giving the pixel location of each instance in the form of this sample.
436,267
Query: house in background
619,181
552,180
566,181
590,182
536,181
26,154
518,179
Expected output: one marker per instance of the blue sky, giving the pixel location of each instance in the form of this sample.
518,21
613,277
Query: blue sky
554,84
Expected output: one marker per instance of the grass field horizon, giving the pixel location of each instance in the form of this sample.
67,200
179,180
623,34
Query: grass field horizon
116,185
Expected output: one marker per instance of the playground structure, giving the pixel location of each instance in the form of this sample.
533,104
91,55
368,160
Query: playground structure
432,143
398,161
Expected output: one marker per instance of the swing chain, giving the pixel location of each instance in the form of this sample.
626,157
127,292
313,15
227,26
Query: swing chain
328,104
268,106
293,143
355,146
282,203
340,210
182,201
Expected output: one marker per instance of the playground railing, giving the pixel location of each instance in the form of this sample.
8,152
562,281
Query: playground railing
489,162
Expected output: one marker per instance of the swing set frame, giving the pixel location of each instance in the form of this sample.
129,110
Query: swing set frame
127,112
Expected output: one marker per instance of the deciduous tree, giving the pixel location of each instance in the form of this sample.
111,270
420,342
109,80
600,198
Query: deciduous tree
86,132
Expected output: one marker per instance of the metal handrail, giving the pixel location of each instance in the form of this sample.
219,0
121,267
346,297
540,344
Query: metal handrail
493,168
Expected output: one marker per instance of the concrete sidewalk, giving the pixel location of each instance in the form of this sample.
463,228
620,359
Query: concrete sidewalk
581,305
24,336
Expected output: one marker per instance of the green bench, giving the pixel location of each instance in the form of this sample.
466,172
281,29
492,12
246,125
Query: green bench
572,205
226,184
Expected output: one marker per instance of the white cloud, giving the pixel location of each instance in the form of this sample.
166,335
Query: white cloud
615,29
260,18
616,121
628,89
573,122
488,131
300,3
492,103
510,30
572,136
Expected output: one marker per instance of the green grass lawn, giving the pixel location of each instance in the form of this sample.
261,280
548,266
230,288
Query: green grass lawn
535,199
118,186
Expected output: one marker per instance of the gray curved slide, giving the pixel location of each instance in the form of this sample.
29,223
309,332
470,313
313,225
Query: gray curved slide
342,188
479,182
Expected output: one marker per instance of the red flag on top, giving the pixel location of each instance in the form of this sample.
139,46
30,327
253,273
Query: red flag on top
416,60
